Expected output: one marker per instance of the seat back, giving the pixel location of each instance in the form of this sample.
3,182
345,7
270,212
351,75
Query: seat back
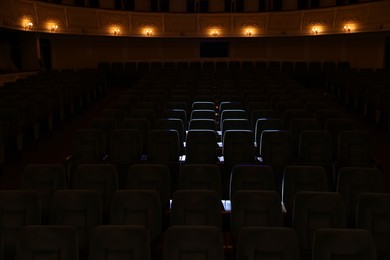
208,124
301,178
202,114
17,210
47,241
255,208
315,210
251,177
44,179
143,126
172,124
89,145
126,145
200,177
266,243
81,209
234,124
99,177
199,105
332,244
106,124
137,207
355,180
267,124
276,147
373,214
201,146
164,146
193,242
154,177
196,208
120,242
354,148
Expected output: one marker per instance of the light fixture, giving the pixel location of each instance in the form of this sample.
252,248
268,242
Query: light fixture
117,31
214,33
28,25
149,32
347,28
54,28
248,32
314,30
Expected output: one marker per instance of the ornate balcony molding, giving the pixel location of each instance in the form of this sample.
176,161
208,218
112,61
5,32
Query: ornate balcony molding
43,17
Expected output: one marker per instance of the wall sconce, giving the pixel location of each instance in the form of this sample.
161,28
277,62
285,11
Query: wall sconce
149,32
28,25
314,30
214,33
117,31
347,28
248,32
54,28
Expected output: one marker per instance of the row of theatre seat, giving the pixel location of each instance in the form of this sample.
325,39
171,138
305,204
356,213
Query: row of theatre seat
255,211
365,91
125,72
323,193
31,107
190,242
205,117
156,119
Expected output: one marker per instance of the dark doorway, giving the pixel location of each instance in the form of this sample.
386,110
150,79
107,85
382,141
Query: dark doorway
45,48
15,50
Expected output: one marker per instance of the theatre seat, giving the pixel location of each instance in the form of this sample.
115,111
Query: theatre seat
55,242
193,242
120,242
45,179
267,243
332,244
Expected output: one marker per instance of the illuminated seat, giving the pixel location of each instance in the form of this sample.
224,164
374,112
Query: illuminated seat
203,114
